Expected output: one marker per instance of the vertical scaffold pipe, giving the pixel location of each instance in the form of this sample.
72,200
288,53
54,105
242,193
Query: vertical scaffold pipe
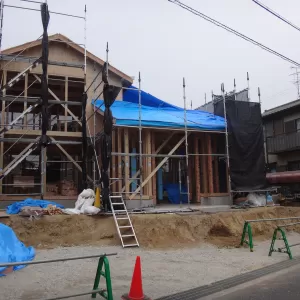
227,140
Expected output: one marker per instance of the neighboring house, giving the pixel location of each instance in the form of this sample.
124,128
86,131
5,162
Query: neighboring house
282,137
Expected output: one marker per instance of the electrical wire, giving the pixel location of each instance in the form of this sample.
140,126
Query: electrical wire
276,14
231,30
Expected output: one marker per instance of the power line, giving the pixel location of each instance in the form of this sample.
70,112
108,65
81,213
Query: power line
211,20
276,14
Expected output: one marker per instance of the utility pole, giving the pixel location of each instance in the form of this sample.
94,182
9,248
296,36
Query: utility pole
296,80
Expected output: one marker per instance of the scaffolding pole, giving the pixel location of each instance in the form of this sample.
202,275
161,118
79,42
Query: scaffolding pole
186,146
226,137
1,23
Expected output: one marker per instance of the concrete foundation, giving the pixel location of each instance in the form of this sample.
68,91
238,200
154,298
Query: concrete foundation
212,201
132,204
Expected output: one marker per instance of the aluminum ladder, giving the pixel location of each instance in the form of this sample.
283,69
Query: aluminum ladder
125,230
20,75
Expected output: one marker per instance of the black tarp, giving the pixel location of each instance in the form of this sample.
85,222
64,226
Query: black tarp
246,143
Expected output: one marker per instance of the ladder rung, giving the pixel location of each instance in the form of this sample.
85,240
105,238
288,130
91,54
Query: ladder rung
115,196
125,226
127,235
131,245
122,218
118,203
120,210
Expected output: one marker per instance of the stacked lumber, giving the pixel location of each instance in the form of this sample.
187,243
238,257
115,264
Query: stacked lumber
67,188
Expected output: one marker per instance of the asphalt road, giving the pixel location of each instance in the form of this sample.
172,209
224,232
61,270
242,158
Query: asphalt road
283,285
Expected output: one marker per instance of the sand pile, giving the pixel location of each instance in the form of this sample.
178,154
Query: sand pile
153,231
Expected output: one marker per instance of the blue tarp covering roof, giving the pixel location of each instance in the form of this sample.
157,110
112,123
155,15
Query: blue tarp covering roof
12,250
158,113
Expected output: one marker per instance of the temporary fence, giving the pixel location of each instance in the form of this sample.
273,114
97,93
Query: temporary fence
247,230
103,270
287,248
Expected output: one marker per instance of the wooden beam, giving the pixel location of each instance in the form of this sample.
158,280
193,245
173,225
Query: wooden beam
156,152
158,167
66,99
57,99
154,188
70,158
126,150
209,164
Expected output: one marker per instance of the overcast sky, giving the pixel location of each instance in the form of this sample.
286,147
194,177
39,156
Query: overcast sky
165,43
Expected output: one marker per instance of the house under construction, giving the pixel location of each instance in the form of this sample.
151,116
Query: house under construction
182,155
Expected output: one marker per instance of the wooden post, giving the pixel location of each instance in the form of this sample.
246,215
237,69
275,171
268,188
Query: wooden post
126,150
113,163
120,180
66,99
209,165
3,121
25,100
156,152
190,171
197,169
149,160
216,164
153,166
144,159
44,171
204,164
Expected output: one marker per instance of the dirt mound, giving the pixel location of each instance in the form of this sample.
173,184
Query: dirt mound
153,231
219,230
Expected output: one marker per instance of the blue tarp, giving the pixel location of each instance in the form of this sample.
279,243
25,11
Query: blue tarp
157,113
12,250
174,193
16,206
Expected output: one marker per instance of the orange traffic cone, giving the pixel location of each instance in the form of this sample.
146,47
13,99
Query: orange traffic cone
136,288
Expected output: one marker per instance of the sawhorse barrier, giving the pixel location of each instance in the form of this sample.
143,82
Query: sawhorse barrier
103,270
287,247
247,230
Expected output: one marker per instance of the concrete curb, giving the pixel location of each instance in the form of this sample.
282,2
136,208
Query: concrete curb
202,291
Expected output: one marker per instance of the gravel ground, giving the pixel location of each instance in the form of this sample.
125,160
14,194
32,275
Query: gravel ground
164,272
